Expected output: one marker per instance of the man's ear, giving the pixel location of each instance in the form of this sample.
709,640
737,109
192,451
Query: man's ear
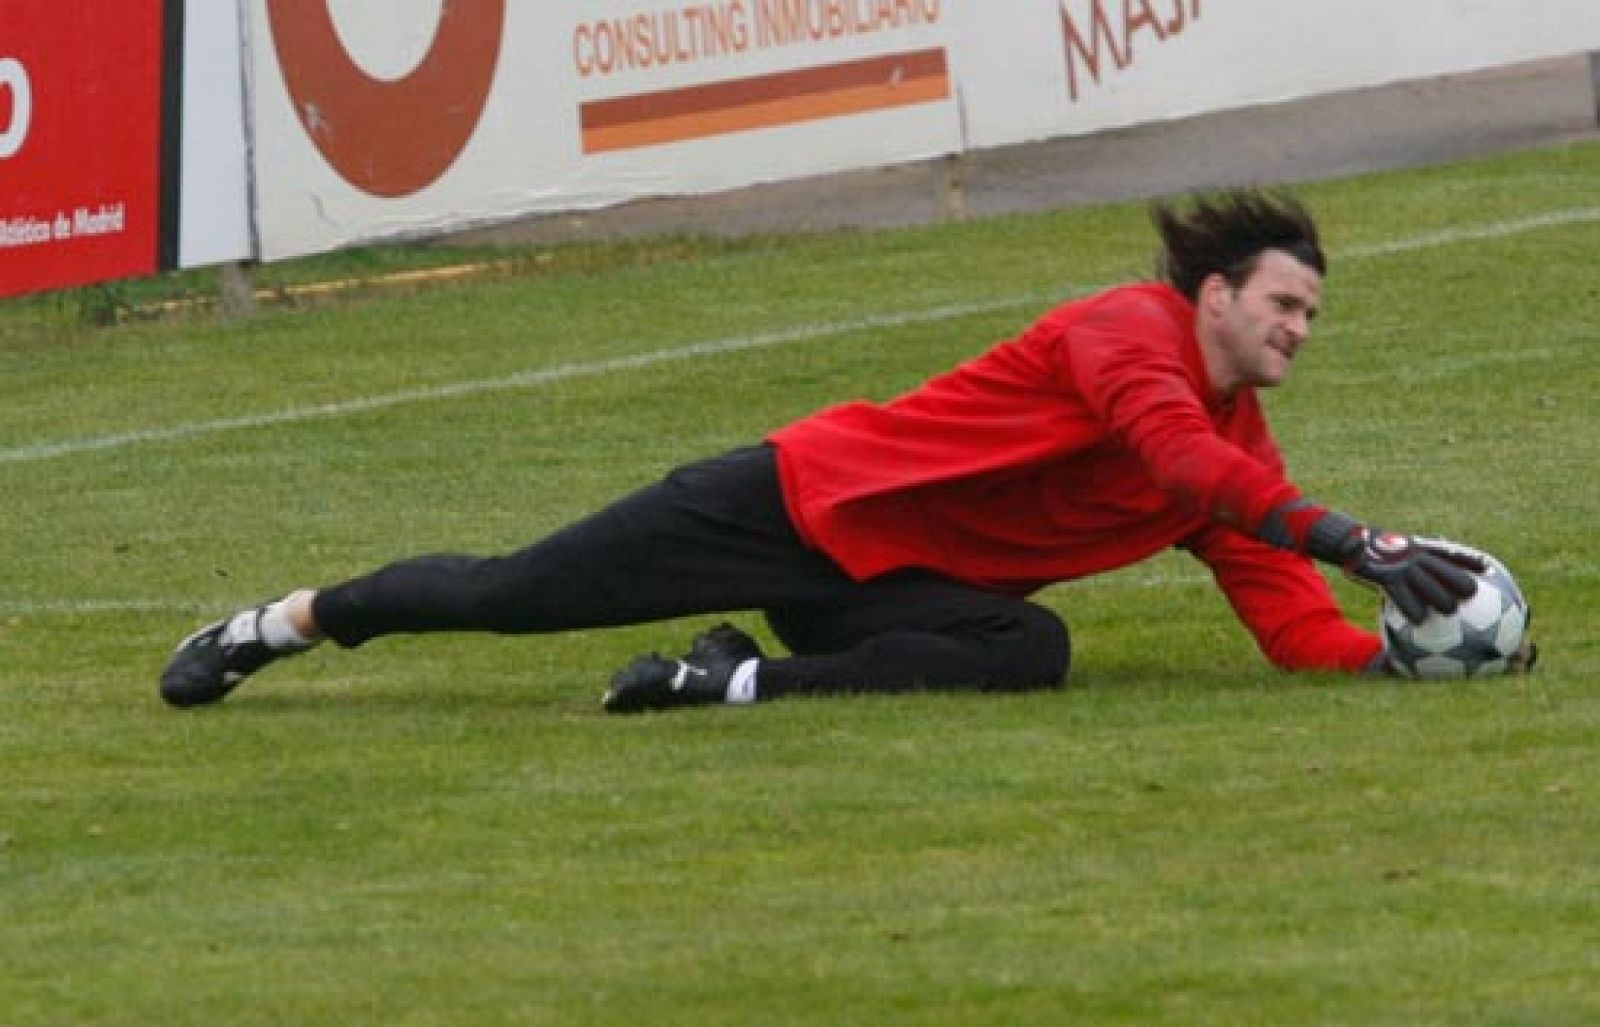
1214,293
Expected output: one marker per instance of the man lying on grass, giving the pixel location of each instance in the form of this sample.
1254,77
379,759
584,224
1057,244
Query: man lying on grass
893,546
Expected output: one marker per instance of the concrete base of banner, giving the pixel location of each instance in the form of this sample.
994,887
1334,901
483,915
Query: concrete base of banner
236,293
1409,124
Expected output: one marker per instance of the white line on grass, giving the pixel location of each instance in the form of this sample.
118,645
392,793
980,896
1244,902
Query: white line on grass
87,607
1473,233
27,608
521,380
534,378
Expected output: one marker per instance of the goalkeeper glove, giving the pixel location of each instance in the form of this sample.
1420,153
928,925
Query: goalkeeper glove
1420,575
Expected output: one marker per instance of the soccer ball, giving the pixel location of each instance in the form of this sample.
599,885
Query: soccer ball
1477,640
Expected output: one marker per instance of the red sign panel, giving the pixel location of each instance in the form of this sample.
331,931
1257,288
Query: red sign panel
80,141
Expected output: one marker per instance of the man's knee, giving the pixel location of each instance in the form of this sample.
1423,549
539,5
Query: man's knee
1036,653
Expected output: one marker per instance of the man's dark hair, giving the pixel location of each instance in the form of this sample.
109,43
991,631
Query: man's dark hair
1225,233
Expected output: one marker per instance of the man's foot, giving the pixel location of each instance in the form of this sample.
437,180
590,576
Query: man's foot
722,644
701,677
211,662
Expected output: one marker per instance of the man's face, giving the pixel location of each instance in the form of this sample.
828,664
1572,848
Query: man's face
1250,335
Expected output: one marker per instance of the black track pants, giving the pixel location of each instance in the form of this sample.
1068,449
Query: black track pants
714,537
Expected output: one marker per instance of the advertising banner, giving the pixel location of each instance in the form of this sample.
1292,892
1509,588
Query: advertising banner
375,121
80,141
1047,68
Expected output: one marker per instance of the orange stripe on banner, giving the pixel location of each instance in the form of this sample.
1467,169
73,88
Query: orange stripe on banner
764,101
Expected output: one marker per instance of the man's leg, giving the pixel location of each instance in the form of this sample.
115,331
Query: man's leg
912,630
915,630
711,536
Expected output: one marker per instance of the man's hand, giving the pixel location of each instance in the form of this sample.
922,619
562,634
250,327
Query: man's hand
1421,575
1421,578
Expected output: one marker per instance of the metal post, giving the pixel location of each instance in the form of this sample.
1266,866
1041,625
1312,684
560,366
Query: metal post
953,174
1594,81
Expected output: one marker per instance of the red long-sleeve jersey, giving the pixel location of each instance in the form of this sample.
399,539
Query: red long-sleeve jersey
1091,441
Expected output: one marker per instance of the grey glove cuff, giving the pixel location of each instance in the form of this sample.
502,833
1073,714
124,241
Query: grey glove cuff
1330,537
1274,530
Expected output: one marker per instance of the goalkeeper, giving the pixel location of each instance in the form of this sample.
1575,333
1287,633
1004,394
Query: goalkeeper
894,546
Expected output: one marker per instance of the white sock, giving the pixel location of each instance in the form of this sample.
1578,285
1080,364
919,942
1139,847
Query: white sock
243,626
742,686
278,631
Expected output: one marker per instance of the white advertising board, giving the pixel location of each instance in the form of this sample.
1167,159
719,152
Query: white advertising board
405,118
1069,67
214,206
373,121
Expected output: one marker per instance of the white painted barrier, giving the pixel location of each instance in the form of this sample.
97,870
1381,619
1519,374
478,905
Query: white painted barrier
484,110
1069,67
214,211
523,107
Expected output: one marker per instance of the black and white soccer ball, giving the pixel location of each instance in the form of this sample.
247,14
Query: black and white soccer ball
1477,640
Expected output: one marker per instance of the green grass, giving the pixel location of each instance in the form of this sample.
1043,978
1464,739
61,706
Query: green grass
447,830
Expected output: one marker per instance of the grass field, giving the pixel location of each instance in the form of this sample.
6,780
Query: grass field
448,831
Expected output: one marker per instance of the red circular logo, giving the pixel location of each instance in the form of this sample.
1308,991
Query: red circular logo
389,138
